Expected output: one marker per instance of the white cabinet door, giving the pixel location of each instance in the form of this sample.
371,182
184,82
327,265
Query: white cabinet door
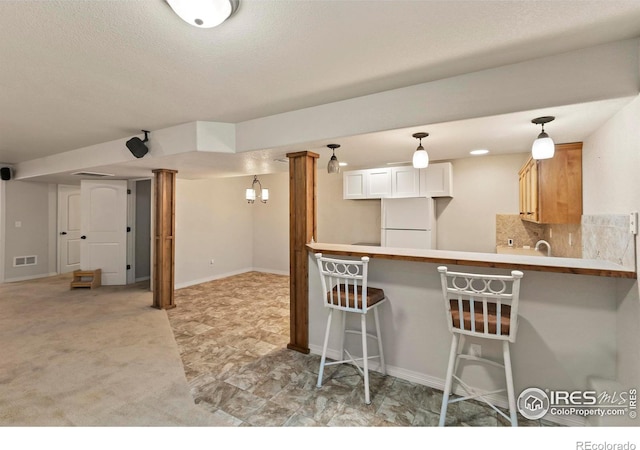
405,182
354,184
378,183
437,180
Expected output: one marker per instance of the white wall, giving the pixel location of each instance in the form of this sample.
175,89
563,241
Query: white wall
344,221
483,186
271,225
34,206
610,167
213,221
566,328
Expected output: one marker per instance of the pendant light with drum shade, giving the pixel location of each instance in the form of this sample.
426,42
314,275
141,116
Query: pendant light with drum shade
420,156
543,147
334,165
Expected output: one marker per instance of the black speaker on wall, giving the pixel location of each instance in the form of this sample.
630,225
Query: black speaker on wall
5,173
137,146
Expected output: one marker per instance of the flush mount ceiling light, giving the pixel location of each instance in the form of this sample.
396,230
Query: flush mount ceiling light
334,165
204,13
420,156
543,147
480,151
250,194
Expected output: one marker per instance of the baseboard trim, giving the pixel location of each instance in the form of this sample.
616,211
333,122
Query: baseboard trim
211,278
438,383
275,272
185,284
30,277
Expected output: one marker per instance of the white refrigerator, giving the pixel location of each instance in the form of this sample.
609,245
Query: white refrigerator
408,223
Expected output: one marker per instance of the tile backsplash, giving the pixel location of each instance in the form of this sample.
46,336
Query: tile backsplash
607,237
510,226
602,237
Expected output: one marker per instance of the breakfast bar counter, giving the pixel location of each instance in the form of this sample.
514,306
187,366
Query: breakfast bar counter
494,260
566,331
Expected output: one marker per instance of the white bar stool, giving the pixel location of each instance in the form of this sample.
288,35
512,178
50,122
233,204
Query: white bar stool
344,288
482,306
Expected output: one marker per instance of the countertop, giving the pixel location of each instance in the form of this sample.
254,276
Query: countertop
496,260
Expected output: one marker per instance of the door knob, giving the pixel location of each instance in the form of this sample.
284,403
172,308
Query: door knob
63,233
83,237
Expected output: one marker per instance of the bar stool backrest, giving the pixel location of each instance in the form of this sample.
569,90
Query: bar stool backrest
481,305
344,282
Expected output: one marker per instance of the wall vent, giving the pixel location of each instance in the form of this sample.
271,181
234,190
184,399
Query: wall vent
93,174
25,261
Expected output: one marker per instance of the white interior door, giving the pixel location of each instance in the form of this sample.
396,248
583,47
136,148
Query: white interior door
104,229
69,224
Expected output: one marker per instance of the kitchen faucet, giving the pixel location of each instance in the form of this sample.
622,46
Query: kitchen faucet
545,243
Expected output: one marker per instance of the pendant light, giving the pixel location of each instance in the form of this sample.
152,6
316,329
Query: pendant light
204,13
250,194
543,147
420,156
334,165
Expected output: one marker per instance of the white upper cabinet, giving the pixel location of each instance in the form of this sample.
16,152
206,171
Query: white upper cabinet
379,183
405,182
437,180
398,182
354,184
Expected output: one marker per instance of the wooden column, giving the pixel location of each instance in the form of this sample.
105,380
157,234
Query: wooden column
302,228
164,242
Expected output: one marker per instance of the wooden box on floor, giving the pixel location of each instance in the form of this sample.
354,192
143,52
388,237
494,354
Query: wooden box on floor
86,278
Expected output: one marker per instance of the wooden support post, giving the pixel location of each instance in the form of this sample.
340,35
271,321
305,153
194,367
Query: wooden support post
164,242
302,228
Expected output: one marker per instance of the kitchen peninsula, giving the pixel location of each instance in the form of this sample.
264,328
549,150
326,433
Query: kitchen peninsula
567,327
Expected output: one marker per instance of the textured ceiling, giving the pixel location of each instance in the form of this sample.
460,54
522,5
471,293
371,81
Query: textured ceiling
77,73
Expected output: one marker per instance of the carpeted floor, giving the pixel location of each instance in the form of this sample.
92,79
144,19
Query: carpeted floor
100,357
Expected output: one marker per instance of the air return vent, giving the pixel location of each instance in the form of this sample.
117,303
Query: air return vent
92,174
25,261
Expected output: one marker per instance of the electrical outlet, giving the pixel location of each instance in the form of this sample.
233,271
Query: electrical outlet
211,261
475,350
510,242
550,233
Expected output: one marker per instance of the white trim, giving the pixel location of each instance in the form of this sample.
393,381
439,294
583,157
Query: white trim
131,223
438,383
211,278
30,277
227,274
275,272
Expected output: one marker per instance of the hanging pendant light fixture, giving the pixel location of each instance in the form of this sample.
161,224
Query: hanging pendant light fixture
204,13
543,147
250,194
420,156
334,165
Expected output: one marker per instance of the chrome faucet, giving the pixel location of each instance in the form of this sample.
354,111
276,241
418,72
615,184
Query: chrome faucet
545,243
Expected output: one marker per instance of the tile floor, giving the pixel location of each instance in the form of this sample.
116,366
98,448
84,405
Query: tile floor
232,335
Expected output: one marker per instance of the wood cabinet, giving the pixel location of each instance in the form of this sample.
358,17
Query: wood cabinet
551,189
